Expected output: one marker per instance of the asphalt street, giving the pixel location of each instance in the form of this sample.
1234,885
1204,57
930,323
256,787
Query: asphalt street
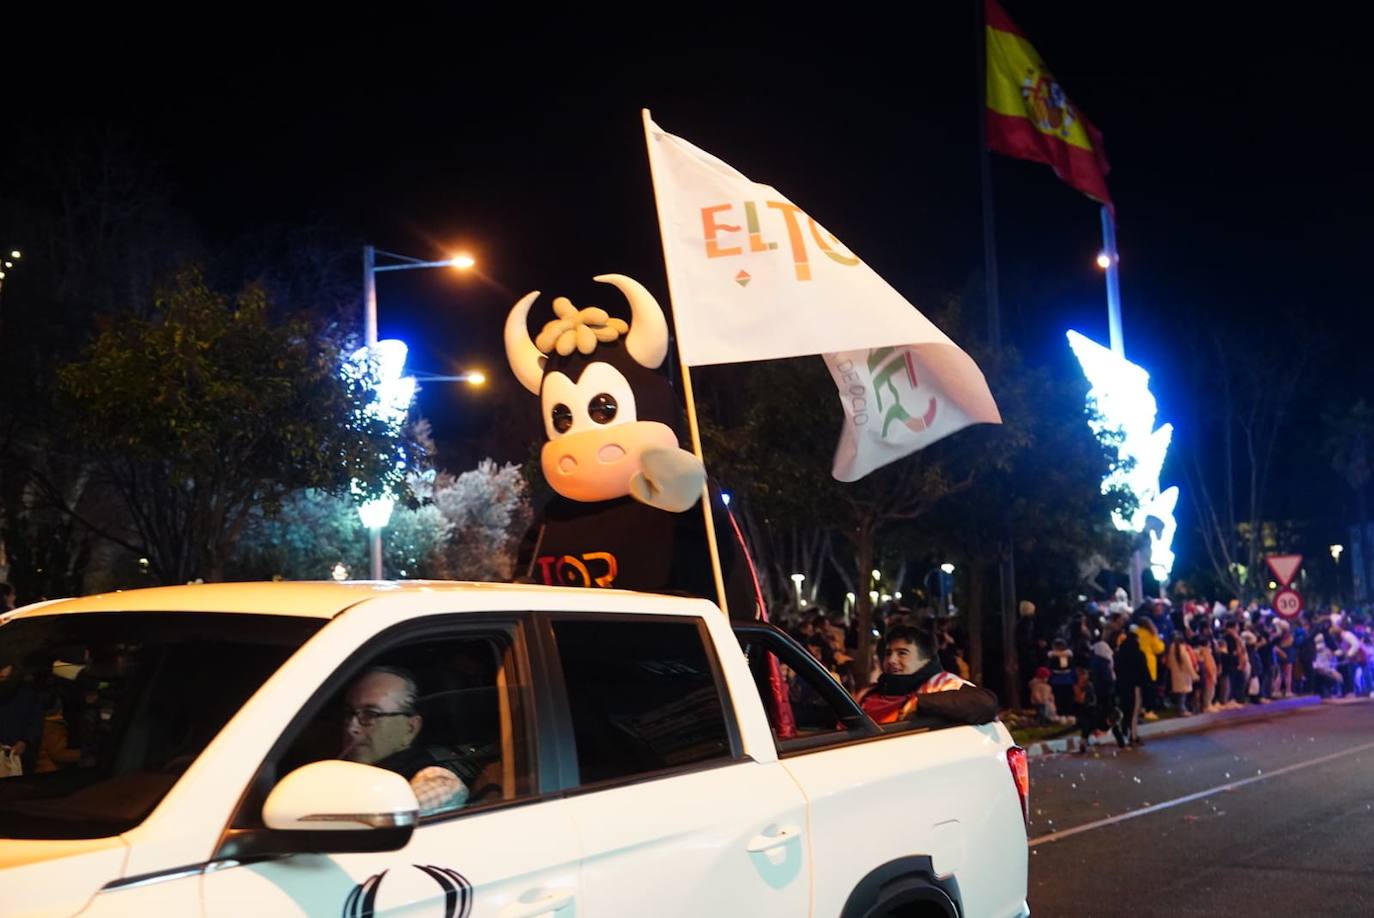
1270,817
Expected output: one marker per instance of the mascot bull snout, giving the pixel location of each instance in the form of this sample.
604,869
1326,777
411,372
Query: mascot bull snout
608,414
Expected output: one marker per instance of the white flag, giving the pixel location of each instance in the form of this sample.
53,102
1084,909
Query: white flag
753,277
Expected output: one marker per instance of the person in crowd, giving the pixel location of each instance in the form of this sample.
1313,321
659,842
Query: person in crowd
1231,654
1029,648
1152,648
1265,635
961,667
1349,655
914,685
1284,656
381,726
1326,678
1366,635
21,714
1060,661
54,753
1207,672
1304,653
1182,672
1098,710
1132,675
1043,700
1250,678
809,706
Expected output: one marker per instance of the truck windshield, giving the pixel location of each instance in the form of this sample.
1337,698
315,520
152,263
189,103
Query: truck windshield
106,710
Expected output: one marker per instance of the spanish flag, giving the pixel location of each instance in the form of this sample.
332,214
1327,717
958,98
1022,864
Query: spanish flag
1030,116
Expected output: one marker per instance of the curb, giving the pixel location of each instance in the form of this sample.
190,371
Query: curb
1194,724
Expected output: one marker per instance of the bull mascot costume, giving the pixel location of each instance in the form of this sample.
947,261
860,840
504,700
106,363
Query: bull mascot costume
625,514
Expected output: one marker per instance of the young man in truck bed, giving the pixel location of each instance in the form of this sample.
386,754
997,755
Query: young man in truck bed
914,685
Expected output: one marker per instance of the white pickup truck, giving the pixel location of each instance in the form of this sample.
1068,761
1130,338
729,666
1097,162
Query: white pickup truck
619,755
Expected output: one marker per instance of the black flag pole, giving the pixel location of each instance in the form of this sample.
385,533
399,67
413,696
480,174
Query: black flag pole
1006,554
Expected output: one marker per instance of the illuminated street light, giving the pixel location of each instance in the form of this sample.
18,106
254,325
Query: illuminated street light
1104,261
14,253
1336,553
877,574
460,261
947,568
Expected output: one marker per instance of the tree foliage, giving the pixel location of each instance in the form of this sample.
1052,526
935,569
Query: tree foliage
210,408
463,527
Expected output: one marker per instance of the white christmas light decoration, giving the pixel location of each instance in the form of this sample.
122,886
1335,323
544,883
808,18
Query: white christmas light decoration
1124,411
391,406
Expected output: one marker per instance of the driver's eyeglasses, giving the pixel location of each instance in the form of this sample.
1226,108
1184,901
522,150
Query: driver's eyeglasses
369,716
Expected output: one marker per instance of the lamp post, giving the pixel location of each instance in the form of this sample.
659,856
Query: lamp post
376,514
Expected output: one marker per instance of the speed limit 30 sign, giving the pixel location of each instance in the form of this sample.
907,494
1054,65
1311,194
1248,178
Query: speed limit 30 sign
1288,603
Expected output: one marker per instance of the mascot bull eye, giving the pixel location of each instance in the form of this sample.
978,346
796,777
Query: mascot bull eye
600,399
602,408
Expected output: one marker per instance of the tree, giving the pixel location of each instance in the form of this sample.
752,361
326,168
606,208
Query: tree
461,528
1045,488
210,409
777,457
1349,436
1228,474
488,510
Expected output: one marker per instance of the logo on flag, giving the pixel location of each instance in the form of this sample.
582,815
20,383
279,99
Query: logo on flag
1048,104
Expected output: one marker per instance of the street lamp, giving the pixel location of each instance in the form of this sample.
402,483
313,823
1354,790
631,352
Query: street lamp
1336,553
375,514
797,582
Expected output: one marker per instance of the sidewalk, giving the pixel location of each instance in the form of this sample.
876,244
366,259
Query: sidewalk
1193,724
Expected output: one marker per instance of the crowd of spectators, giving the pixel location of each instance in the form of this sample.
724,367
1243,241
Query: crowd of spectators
1109,667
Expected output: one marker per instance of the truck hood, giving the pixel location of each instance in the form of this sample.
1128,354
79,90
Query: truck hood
52,878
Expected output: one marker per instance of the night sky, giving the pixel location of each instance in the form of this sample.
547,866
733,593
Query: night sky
1238,167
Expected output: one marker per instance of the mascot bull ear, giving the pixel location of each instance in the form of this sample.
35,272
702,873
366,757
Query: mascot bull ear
525,359
647,341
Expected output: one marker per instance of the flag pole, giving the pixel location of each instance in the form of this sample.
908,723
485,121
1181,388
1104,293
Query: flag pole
1006,555
1113,282
713,548
985,164
1118,343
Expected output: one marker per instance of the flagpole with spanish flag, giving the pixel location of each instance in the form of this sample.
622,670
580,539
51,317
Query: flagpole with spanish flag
1029,116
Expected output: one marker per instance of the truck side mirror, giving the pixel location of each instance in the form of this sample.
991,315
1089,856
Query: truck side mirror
336,806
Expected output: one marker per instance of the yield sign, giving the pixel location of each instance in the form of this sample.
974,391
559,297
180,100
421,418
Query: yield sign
1285,567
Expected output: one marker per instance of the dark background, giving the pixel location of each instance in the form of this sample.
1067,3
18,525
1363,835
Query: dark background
1236,142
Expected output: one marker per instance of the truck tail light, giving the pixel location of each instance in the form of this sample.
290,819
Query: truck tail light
1020,776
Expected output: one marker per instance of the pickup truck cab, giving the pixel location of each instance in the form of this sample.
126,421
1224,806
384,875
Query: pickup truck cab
622,754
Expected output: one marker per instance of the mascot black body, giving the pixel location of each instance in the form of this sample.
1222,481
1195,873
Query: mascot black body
625,516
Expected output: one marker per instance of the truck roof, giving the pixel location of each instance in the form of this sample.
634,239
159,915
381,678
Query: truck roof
314,599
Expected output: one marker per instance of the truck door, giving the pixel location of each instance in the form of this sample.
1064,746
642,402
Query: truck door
671,817
505,848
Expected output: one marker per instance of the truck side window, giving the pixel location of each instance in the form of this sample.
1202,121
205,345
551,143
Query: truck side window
642,696
448,713
806,706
